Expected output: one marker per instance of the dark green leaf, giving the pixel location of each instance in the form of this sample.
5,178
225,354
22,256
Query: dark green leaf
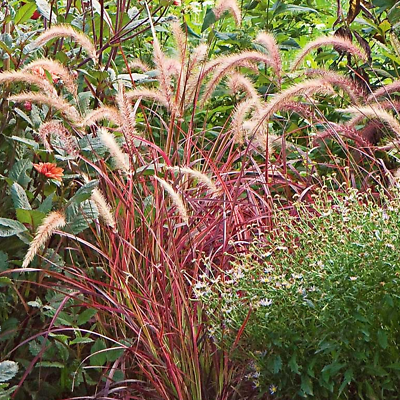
348,377
98,359
25,117
209,19
50,364
382,339
114,354
394,14
371,395
47,203
18,172
84,192
79,216
277,364
307,385
3,261
85,316
293,364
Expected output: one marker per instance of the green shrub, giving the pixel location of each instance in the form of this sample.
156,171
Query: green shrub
322,298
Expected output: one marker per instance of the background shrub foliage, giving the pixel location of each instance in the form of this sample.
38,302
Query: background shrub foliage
144,145
319,297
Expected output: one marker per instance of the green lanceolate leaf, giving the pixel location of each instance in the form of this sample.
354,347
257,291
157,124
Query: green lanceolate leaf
209,19
9,227
24,13
19,197
85,316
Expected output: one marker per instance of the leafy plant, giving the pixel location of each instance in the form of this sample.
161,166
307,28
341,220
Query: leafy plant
318,297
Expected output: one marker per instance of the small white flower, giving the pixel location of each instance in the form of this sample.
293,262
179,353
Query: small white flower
353,278
265,302
297,276
273,389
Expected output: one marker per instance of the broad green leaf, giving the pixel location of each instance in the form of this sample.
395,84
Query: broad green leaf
47,203
62,351
97,7
64,318
27,142
9,227
277,364
5,394
190,31
395,366
8,369
307,385
32,217
382,339
279,8
85,316
98,359
348,377
3,261
252,5
18,172
93,145
79,216
371,395
19,197
113,354
293,364
24,13
209,19
84,192
375,370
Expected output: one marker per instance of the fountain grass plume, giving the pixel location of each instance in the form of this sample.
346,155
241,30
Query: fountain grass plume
55,67
176,199
62,31
339,42
53,221
53,101
32,79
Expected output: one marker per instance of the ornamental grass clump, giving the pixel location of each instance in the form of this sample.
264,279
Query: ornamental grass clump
317,301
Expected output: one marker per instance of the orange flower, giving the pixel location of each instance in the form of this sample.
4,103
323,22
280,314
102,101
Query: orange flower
49,170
